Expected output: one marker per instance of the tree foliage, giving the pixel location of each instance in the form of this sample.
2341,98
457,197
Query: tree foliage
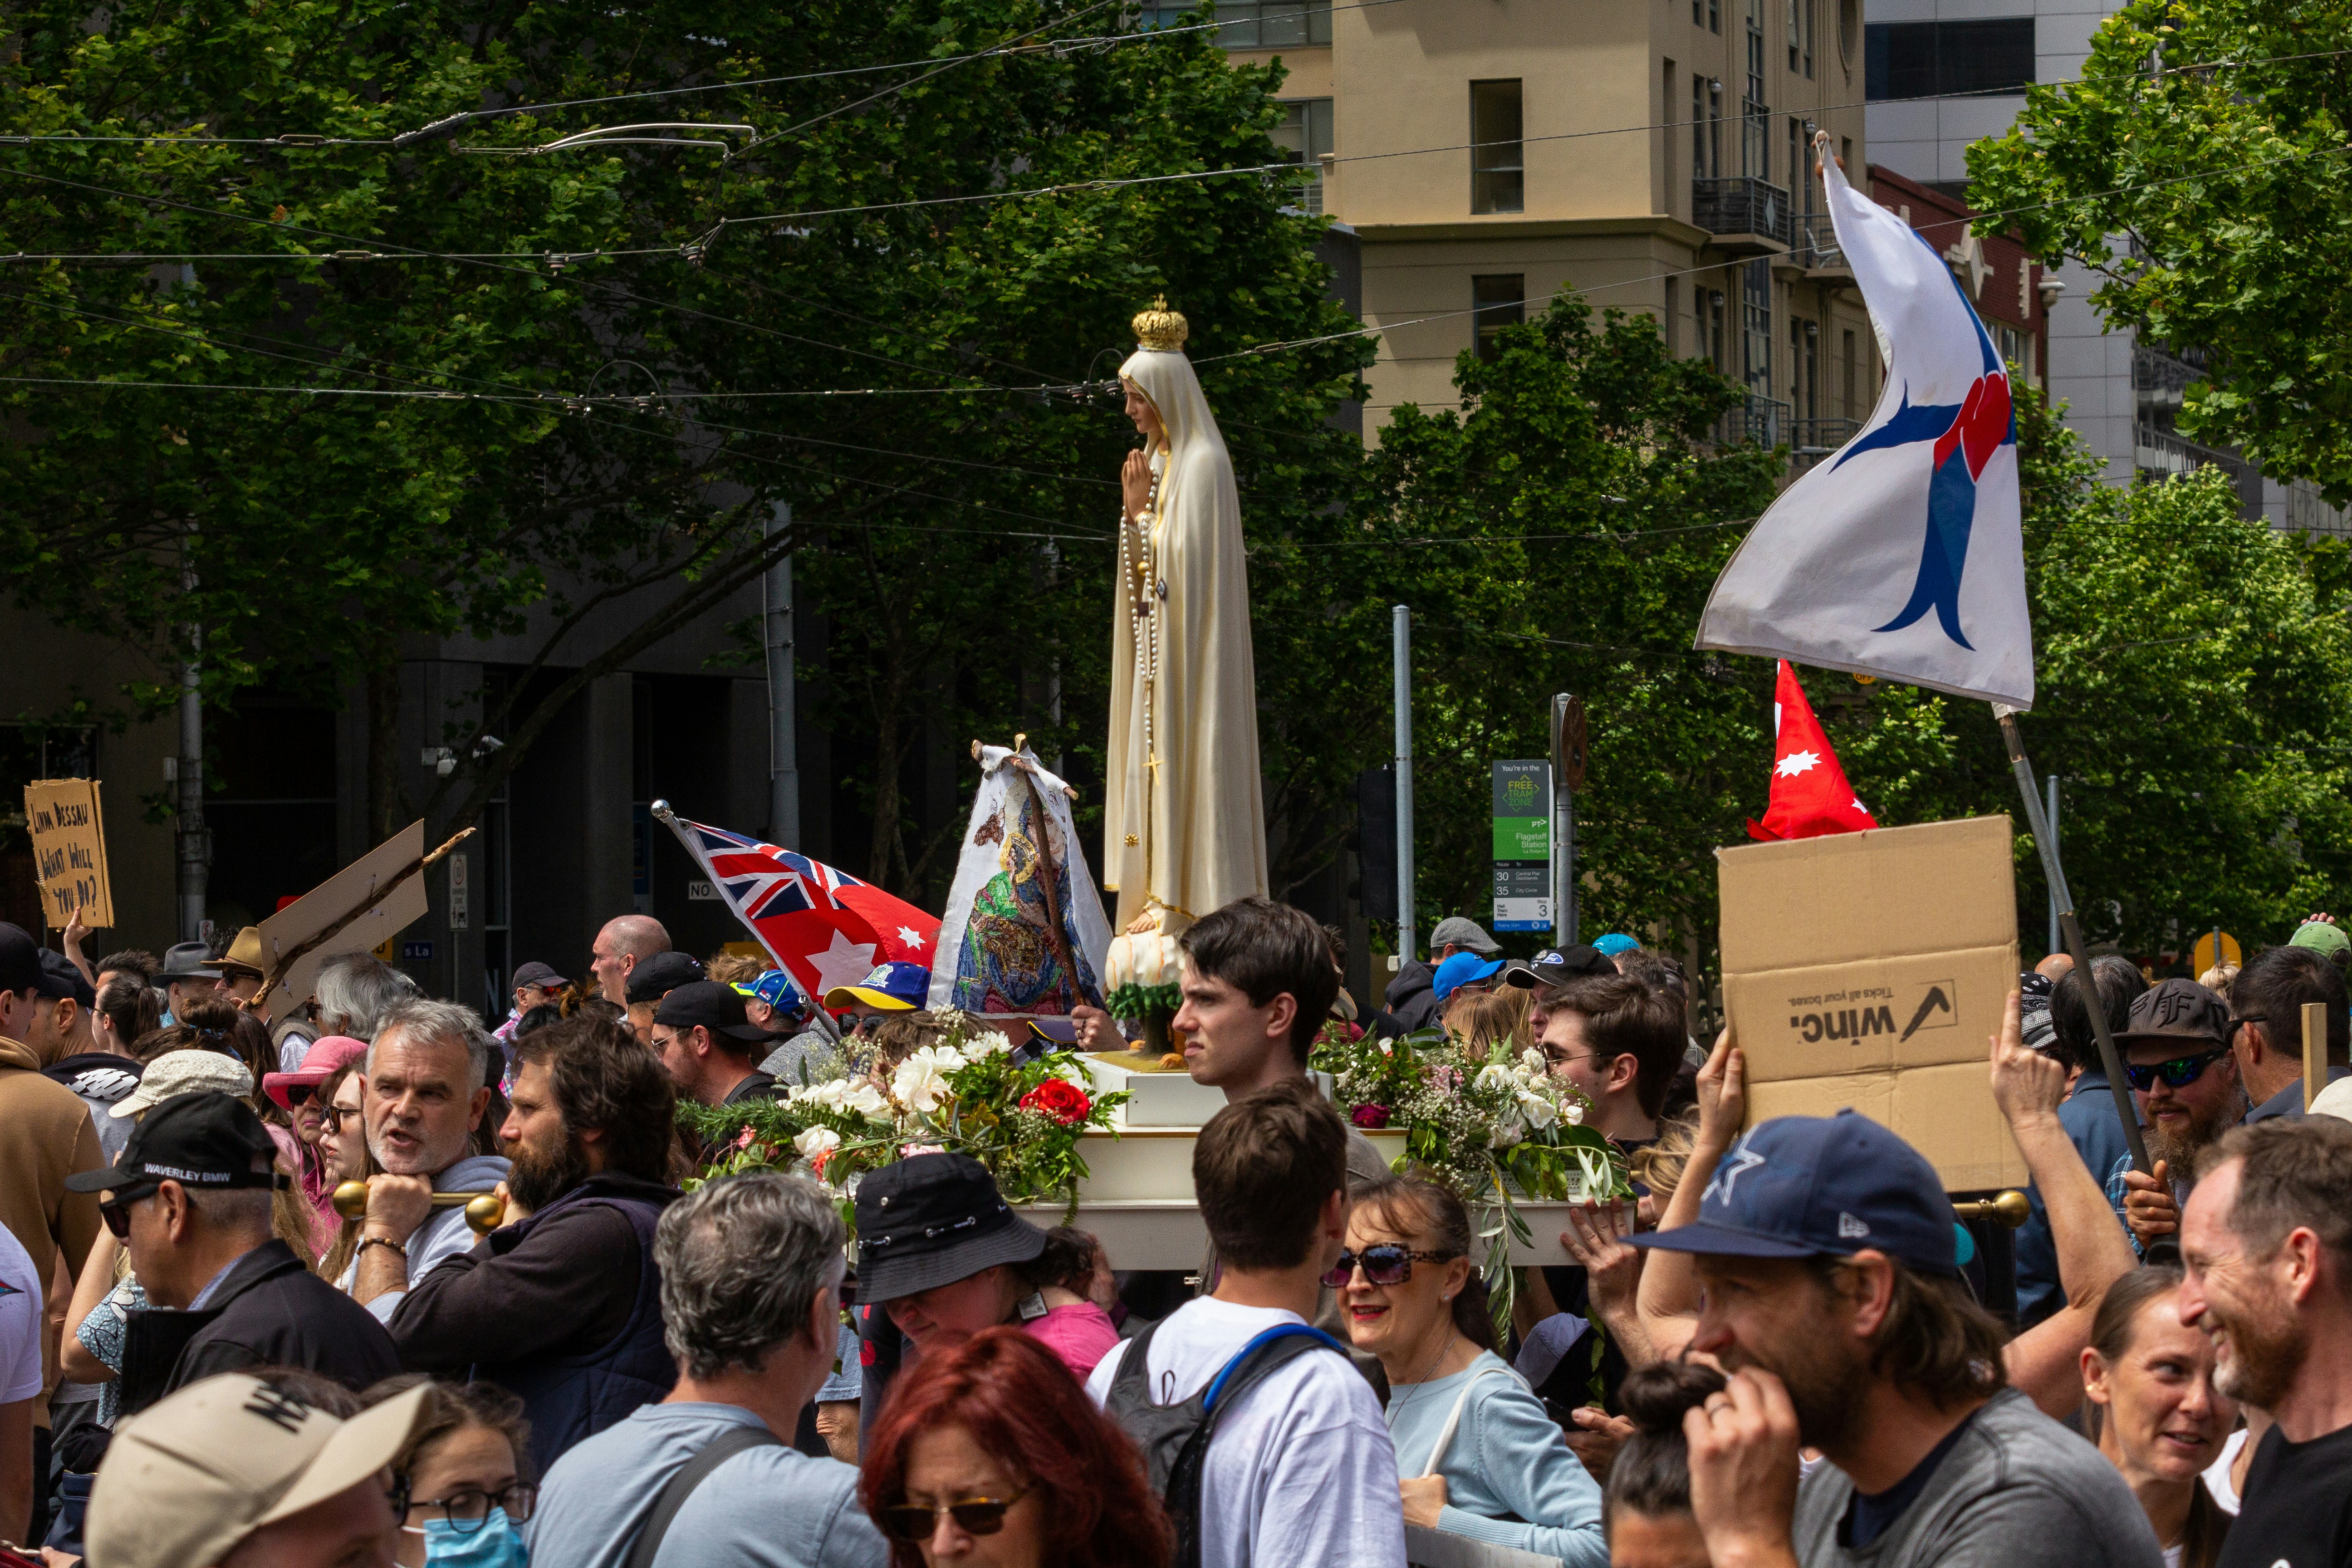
2199,166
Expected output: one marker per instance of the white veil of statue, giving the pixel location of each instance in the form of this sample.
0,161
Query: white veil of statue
1184,823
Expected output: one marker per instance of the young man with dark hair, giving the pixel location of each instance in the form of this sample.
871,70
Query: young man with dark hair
1832,1294
1258,986
2266,1002
2267,1248
709,1045
560,1304
1299,1470
1620,1043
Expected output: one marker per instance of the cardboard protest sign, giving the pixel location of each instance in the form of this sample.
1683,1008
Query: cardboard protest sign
360,885
69,837
1869,969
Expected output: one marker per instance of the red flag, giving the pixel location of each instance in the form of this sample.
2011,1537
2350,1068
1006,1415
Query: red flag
823,927
1809,795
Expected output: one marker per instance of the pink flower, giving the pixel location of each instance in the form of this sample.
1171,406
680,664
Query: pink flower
743,1138
1371,1116
911,1149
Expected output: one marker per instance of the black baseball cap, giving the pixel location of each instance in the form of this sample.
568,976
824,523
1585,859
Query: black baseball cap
1556,966
2176,1012
1820,1187
59,979
931,1220
662,973
708,1004
540,975
20,959
203,1141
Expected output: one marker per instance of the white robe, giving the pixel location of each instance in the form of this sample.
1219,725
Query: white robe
1184,822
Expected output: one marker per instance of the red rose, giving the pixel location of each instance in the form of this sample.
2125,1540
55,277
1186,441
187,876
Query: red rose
1372,1116
1063,1100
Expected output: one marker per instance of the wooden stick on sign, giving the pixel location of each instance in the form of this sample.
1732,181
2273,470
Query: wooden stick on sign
2315,1051
260,998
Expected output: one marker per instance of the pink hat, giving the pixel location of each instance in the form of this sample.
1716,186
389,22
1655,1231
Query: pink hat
325,1058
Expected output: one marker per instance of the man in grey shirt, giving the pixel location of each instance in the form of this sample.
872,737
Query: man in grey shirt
1831,1292
751,1276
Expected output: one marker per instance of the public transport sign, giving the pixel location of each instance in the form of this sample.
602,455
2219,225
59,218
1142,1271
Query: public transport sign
1523,846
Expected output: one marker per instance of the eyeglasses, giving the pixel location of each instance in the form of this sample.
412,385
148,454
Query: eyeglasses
336,1115
468,1509
297,1095
114,1208
1385,1263
973,1516
2177,1073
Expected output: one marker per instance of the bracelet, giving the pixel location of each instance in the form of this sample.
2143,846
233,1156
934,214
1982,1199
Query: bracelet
368,1241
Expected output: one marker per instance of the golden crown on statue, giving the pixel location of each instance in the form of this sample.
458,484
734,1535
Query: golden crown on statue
1159,327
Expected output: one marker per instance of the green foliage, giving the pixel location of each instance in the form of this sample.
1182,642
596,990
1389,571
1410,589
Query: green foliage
2199,166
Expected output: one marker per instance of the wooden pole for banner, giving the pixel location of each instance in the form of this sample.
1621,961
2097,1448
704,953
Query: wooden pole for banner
2315,1047
2072,929
260,998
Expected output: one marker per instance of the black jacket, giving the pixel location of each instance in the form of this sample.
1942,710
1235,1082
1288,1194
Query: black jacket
1412,1003
270,1310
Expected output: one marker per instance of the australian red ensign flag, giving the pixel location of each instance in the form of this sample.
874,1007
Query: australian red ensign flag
1809,795
1901,553
825,927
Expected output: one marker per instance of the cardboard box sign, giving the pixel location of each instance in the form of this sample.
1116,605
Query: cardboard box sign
1869,969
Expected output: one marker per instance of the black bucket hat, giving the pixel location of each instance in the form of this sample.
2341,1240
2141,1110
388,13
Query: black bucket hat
930,1220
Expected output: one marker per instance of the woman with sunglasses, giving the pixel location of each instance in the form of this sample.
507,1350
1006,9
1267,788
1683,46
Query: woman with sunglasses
296,1095
463,1473
343,1142
1478,1453
989,1453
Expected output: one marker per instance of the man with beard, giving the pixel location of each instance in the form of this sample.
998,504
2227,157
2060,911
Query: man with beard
1831,1292
2267,1248
562,1303
2177,1055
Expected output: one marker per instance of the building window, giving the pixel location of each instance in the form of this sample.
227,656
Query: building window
1849,31
1846,404
1931,59
1805,368
1253,24
1501,302
1666,159
1756,324
1706,127
1498,182
1670,327
1715,342
1800,37
1305,133
1715,15
2012,343
1755,140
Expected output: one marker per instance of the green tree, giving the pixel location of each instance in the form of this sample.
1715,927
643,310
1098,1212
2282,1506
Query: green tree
2198,167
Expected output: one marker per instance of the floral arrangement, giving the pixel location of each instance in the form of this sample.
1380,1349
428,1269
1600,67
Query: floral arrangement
1140,976
1492,1127
963,1095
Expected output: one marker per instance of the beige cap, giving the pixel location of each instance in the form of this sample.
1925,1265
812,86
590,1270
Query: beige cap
186,1479
190,1070
2335,1100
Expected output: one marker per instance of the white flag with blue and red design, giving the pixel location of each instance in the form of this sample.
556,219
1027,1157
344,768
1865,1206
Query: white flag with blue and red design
1903,554
824,928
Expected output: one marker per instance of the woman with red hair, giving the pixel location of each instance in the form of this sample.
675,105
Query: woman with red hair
989,1453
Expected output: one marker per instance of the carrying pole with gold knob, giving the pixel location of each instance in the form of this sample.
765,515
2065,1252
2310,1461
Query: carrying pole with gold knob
485,1211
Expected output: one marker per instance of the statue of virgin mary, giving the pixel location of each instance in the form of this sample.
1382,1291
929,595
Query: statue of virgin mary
1184,823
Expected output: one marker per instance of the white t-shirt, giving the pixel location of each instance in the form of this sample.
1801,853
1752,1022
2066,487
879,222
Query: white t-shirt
2217,1474
1300,1473
21,1322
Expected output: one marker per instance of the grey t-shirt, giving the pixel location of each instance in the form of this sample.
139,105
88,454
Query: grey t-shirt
2016,1491
770,1507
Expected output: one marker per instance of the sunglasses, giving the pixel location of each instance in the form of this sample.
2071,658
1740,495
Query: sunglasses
973,1516
114,1208
2177,1073
297,1095
1387,1263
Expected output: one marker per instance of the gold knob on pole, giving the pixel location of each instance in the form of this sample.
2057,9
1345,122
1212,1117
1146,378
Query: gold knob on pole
2011,1209
485,1211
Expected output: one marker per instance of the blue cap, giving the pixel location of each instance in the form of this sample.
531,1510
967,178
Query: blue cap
1809,1186
776,989
892,988
1463,969
1612,944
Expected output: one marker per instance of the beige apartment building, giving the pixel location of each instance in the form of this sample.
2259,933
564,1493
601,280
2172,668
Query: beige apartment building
1486,153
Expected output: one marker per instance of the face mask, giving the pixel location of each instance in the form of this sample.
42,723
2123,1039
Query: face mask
493,1543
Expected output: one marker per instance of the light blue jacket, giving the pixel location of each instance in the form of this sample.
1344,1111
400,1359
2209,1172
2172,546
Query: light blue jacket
1507,1460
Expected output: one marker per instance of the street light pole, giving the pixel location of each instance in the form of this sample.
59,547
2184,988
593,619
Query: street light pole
1402,628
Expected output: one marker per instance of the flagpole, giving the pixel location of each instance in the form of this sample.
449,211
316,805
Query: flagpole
2071,929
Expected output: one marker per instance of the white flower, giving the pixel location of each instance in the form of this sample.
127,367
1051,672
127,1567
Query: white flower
1493,1076
990,1044
865,1100
816,1142
1572,1113
1538,1109
921,1081
1533,1061
1509,1131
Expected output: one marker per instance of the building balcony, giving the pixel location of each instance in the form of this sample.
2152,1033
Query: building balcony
1763,420
1817,251
2159,453
1811,441
2159,379
1744,216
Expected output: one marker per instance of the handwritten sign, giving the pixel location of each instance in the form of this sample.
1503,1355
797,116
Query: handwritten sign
70,851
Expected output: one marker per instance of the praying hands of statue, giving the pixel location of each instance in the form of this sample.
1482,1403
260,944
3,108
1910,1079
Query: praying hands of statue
1135,483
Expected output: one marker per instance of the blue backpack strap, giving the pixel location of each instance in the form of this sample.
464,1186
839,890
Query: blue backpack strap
1279,1332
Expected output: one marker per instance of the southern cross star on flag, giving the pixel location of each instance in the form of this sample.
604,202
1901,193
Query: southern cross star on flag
1809,795
825,927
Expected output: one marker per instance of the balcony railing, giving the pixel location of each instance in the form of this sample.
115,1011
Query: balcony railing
2159,379
1763,420
1811,441
1742,203
1817,243
2160,452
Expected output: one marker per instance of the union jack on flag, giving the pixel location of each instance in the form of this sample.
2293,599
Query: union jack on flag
823,927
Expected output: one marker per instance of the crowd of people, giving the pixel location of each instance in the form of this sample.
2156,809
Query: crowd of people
382,1283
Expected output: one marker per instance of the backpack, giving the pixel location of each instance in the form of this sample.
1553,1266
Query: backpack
1175,1438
